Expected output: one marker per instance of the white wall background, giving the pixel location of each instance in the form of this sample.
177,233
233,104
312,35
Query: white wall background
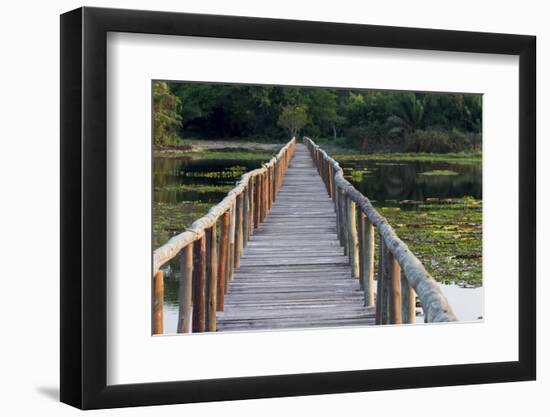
29,225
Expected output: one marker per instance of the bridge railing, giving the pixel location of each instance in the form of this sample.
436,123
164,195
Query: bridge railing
207,260
400,273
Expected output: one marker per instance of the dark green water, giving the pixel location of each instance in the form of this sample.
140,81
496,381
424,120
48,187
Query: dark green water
389,182
203,176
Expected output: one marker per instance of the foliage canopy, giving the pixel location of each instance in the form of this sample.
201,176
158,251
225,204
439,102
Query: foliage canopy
363,119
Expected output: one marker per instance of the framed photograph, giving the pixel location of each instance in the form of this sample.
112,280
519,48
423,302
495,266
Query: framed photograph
256,208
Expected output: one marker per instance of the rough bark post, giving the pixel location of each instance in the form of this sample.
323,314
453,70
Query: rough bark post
212,278
386,284
252,208
353,241
337,211
261,183
330,183
361,239
345,228
379,281
246,215
222,261
394,283
271,191
258,199
158,302
279,175
368,262
199,285
408,301
265,196
239,229
274,184
185,289
270,187
231,255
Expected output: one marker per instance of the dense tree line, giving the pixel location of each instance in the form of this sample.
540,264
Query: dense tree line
364,119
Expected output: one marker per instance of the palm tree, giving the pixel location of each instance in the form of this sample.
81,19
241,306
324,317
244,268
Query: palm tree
408,116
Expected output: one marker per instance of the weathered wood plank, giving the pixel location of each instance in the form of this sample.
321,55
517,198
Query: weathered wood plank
199,285
158,302
293,272
185,290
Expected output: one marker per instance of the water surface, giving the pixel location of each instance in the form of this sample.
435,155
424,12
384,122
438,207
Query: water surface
388,182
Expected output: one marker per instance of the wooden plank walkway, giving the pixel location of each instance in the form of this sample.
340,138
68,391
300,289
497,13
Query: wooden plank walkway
293,272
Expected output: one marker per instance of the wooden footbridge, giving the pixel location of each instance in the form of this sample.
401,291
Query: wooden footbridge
293,246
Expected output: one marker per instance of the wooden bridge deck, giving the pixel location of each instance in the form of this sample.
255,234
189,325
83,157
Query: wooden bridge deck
293,272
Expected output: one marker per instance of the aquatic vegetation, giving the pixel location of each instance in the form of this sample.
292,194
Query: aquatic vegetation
217,155
438,172
463,158
445,236
200,188
356,174
172,219
234,171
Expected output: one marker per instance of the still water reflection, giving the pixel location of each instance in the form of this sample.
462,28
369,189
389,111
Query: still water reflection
385,182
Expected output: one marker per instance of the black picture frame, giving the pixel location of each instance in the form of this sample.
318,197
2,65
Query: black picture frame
84,207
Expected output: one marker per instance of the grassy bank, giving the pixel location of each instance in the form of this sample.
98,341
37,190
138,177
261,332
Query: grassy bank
219,149
462,158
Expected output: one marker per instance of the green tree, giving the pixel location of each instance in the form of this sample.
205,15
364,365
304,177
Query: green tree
166,117
293,118
408,115
322,108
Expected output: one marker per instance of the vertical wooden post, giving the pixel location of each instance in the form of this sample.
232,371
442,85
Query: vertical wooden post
222,261
185,289
265,196
158,303
353,241
258,198
271,193
408,301
379,281
361,239
387,273
327,176
231,256
274,185
246,215
394,278
270,183
239,228
199,285
337,211
261,205
252,207
368,260
345,228
332,185
279,175
277,178
212,278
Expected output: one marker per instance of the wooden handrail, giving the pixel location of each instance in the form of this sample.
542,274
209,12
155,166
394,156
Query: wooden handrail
207,265
399,270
